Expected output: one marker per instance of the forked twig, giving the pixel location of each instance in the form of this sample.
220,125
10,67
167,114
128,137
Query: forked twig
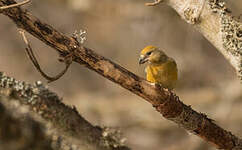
33,59
15,5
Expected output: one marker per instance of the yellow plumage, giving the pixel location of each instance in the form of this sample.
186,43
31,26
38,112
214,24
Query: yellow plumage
161,68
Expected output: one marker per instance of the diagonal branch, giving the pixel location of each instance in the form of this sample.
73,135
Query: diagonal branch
165,102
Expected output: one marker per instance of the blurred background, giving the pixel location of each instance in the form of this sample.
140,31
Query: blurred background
119,30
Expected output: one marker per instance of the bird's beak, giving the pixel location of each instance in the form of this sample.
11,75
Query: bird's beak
143,59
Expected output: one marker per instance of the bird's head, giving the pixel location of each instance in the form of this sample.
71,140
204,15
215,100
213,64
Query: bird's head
152,54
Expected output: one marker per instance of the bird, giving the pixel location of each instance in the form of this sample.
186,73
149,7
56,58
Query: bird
161,69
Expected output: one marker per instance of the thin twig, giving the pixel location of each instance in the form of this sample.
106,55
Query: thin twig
15,5
156,2
33,59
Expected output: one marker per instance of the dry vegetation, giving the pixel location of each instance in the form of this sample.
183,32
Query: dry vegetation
123,28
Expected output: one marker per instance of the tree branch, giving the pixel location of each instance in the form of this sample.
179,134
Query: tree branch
19,130
64,118
164,101
214,21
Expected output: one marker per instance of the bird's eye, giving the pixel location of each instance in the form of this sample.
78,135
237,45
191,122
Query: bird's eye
149,53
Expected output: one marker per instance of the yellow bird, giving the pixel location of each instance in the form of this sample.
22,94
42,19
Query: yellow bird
161,68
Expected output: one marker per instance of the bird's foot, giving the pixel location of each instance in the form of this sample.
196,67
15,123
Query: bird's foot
159,86
156,85
152,83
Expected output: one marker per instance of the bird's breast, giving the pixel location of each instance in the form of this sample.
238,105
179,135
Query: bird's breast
165,74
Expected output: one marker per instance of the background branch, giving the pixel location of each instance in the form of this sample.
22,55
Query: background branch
213,20
19,130
165,102
62,117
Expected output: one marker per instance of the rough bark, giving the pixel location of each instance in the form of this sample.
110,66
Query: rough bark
19,130
62,117
214,21
164,101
